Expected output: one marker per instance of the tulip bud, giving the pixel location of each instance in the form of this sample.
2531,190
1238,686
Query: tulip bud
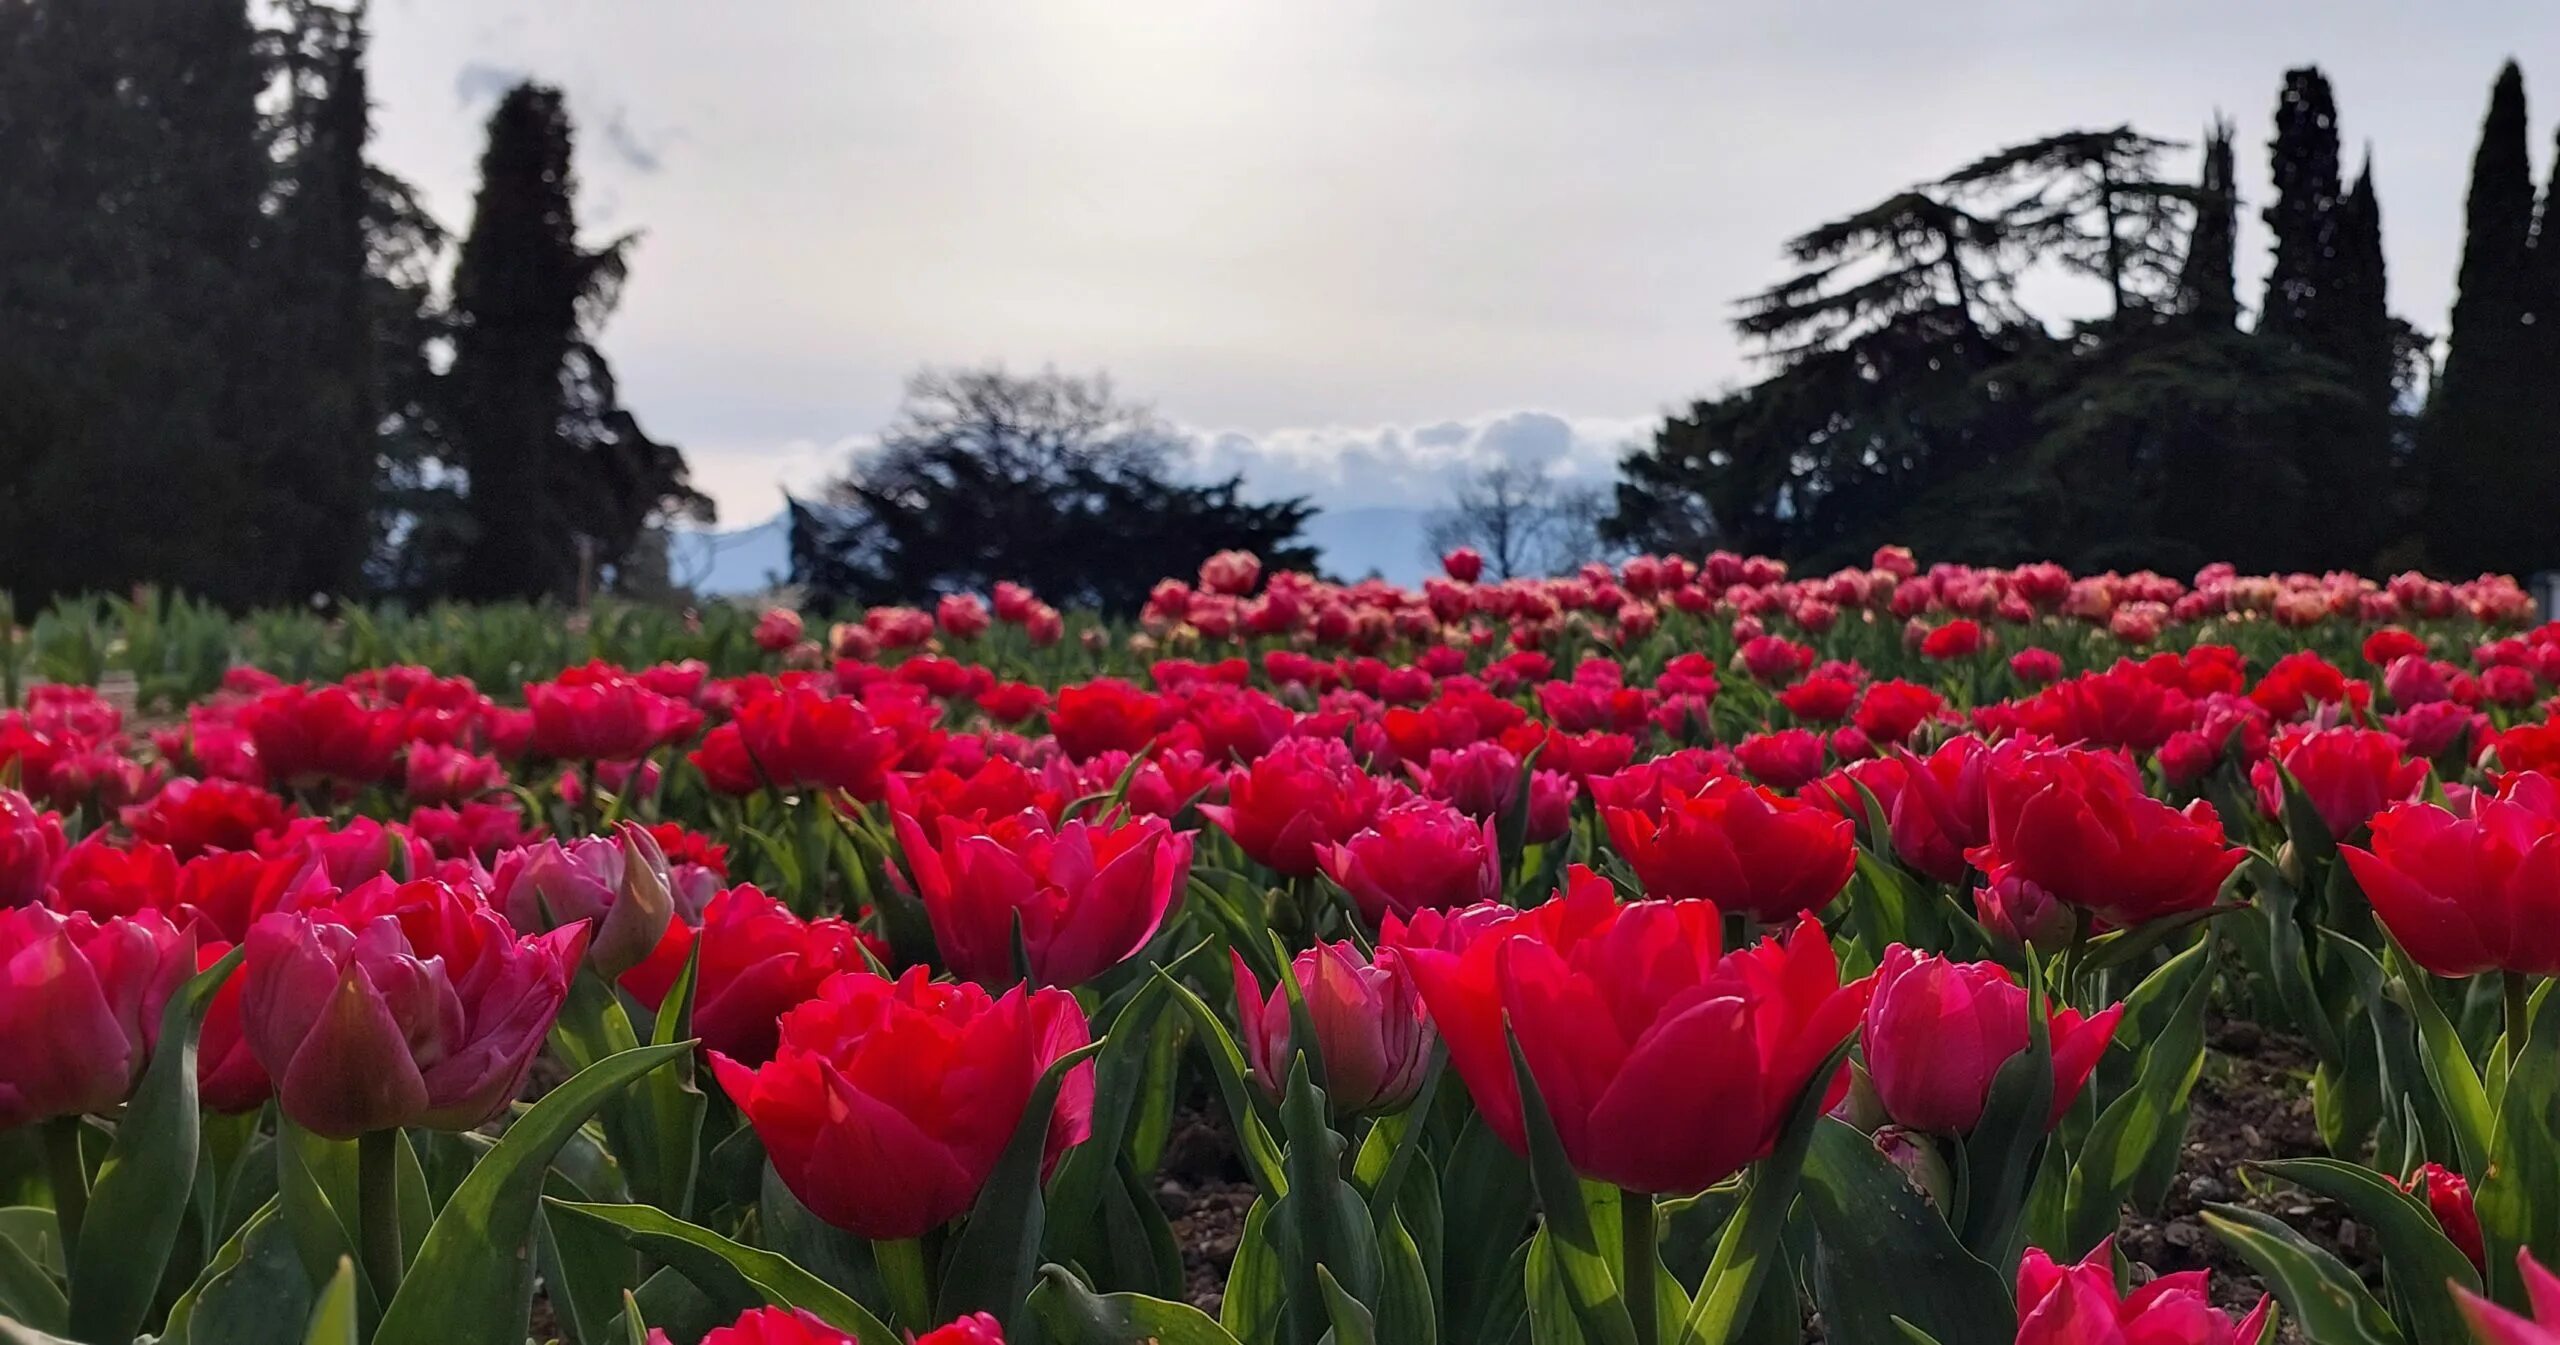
2023,915
1370,1030
1921,1163
641,908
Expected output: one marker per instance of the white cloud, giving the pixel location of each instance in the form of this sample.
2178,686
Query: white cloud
1360,466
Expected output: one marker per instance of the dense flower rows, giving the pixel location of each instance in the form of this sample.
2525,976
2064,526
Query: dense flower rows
1601,957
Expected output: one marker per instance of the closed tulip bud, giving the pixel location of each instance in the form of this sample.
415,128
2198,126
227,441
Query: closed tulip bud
2080,1305
2448,1198
889,1102
395,1007
31,845
2022,914
619,886
80,1001
1465,564
2494,1325
1937,1033
1921,1163
1370,1030
777,630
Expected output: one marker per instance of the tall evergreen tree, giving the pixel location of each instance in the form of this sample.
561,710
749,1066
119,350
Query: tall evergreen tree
561,480
2485,470
2095,201
2303,216
2208,289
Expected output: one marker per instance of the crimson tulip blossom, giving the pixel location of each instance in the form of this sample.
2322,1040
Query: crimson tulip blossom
799,1326
604,719
888,1103
2080,1305
80,1002
1085,896
2347,774
1369,1026
1667,1064
307,736
1105,715
1937,1033
1418,854
2077,824
1739,846
2471,894
2448,1198
413,1005
31,844
757,961
2494,1325
1301,796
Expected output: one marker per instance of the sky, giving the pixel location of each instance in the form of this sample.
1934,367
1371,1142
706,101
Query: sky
1356,245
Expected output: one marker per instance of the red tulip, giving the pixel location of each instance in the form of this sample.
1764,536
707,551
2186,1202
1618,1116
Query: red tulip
2077,824
413,1005
2347,774
103,879
1893,711
799,737
1943,809
1786,759
31,845
1959,638
1820,700
778,629
2022,914
1105,715
1300,797
80,1002
439,774
2466,895
1937,1032
1666,1065
1231,572
888,1102
193,816
758,960
605,719
2494,1325
2434,729
1465,564
1081,896
2035,667
798,1326
962,616
305,736
1739,846
2448,1198
2079,1305
1370,1030
1418,854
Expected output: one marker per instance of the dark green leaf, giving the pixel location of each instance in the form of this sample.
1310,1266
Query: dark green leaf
1075,1315
1885,1252
2332,1305
733,1275
991,1265
1572,1245
2423,1264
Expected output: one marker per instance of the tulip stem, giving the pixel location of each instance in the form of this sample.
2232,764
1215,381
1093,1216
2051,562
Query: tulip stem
901,1265
378,1209
2518,989
70,1175
1635,1218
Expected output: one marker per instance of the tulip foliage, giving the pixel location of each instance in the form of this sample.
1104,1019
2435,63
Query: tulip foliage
1669,954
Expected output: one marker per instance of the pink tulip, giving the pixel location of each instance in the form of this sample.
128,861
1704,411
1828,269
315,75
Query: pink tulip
620,886
1370,1030
80,1002
1937,1033
413,1005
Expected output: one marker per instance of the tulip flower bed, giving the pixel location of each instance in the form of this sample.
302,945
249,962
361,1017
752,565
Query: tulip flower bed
1681,954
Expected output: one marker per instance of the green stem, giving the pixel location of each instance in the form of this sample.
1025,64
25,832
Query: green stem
1635,1218
901,1265
378,1210
70,1175
2518,991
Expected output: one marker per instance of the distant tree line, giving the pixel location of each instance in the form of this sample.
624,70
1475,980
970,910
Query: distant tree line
1912,396
239,358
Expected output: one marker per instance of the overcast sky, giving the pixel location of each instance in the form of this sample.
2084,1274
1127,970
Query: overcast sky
1354,244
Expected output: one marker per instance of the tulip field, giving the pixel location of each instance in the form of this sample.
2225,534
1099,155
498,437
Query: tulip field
1677,953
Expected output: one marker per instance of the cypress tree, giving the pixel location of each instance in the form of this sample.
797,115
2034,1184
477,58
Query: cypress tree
516,291
2304,214
2477,447
2208,293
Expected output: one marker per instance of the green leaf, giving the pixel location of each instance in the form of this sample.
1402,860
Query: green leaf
2422,1263
334,1322
1885,1252
2332,1305
1257,1282
1075,1315
1750,1244
1320,1220
1352,1324
2000,1157
471,1282
1486,1205
2148,1114
1261,1155
1580,1267
2517,1211
138,1202
27,1288
255,1281
316,1197
734,1276
992,1263
2448,1067
1077,1190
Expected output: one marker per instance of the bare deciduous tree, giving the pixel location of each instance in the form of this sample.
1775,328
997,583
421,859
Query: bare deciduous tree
1521,520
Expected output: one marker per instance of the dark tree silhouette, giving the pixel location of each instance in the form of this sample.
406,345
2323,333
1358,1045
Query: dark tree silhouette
1521,520
1050,478
2095,202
